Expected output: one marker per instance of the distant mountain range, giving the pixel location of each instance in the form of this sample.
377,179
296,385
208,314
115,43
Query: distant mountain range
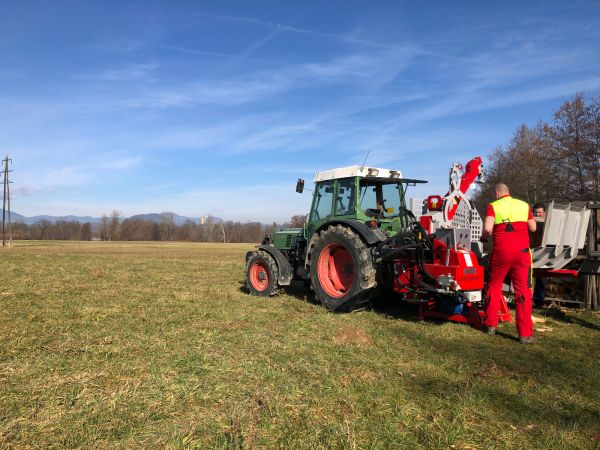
153,217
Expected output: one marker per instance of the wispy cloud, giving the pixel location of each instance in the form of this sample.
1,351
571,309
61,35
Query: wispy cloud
114,40
162,187
370,68
370,71
482,100
281,194
213,92
198,52
125,163
132,72
117,44
345,38
24,191
41,180
548,92
262,41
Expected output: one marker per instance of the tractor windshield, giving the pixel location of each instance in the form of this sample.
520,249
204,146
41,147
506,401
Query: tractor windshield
380,199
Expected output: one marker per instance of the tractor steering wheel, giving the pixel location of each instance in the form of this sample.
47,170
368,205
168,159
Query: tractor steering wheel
374,213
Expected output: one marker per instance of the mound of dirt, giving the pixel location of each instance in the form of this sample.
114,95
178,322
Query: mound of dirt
352,336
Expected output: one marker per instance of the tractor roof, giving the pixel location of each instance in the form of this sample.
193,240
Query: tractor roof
363,172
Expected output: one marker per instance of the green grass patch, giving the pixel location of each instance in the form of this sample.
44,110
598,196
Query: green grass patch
158,345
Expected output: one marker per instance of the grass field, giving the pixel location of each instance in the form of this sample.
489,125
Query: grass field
110,345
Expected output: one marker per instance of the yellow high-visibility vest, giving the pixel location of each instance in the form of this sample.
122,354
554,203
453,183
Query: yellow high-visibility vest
508,209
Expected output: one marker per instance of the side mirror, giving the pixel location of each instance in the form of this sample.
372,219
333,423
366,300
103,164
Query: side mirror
300,186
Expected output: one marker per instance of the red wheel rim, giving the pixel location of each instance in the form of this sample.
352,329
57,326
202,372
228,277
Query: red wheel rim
335,269
259,276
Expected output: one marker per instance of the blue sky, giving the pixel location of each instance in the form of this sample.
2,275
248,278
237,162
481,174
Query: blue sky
218,107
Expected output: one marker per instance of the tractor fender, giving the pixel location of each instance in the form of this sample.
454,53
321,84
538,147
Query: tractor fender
285,269
369,235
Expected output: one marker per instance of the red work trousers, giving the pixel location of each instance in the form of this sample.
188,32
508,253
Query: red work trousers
517,264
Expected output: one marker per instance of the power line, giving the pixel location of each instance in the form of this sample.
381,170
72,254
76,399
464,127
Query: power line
5,203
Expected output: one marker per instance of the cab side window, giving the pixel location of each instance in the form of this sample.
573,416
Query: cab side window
368,196
323,201
346,198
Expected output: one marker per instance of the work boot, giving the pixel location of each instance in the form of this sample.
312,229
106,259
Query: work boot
526,340
490,330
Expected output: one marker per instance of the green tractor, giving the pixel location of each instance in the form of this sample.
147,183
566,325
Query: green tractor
358,216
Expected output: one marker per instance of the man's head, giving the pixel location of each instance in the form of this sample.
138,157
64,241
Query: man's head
539,210
501,190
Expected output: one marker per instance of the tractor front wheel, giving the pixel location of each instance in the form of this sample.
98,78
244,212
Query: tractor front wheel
341,272
261,274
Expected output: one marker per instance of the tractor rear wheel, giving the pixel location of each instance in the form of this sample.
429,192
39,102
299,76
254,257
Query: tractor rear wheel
342,272
261,274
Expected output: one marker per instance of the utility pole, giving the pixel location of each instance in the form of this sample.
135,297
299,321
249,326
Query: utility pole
5,203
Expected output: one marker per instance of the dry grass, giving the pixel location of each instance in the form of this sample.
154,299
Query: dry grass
157,345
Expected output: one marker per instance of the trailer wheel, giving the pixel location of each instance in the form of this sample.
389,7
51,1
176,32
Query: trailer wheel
261,274
342,272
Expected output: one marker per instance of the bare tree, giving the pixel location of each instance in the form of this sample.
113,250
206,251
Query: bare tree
86,232
523,165
557,161
593,154
104,228
167,225
41,229
115,217
298,221
570,146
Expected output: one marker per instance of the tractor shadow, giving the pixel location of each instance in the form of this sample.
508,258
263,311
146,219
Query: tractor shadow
296,289
395,309
382,305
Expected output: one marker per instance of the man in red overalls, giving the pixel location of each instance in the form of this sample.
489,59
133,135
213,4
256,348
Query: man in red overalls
509,221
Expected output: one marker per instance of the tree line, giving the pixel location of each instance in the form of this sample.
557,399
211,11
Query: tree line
64,230
559,160
115,228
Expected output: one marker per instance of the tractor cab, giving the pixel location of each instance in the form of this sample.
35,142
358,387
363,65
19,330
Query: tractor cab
373,196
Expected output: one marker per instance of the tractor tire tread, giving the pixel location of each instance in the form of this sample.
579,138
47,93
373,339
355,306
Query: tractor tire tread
360,295
273,287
